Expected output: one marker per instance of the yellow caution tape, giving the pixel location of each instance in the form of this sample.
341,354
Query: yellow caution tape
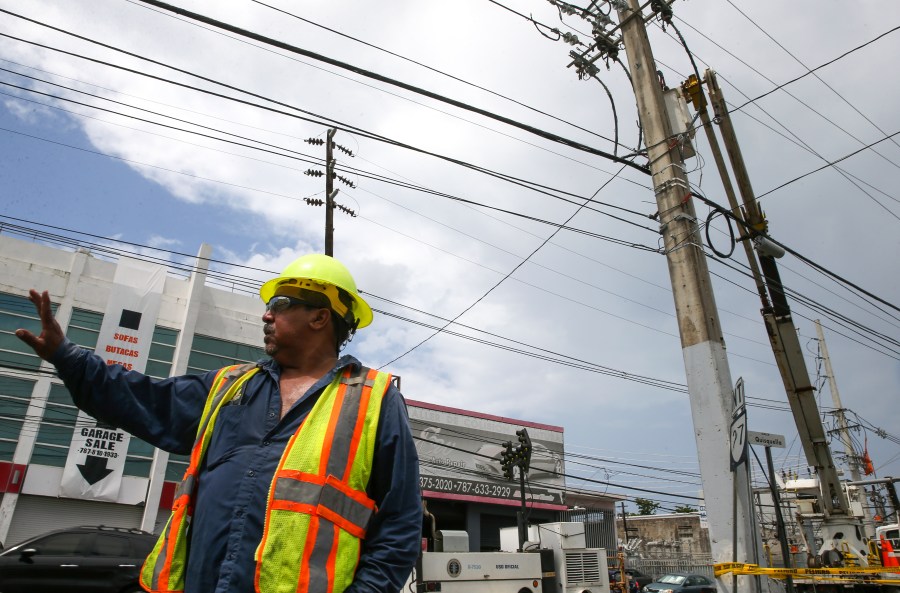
839,574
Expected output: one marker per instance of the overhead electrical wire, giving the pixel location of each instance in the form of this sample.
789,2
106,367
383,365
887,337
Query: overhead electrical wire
325,123
482,205
510,273
850,177
509,178
310,158
435,70
823,310
813,70
809,71
827,165
547,356
801,145
382,90
381,78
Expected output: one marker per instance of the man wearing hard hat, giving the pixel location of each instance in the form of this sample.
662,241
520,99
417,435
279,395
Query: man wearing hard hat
303,474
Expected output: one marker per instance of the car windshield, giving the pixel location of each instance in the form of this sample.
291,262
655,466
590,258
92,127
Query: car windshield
672,579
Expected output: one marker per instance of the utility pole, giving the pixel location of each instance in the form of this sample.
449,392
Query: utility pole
703,347
330,191
849,450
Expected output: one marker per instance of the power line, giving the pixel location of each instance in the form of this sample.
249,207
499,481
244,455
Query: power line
435,70
327,121
381,78
850,177
813,70
547,355
400,184
829,164
510,273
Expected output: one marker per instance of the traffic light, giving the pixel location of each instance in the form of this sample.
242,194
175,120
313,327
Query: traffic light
507,460
524,448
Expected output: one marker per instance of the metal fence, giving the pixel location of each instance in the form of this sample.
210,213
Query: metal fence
599,526
656,567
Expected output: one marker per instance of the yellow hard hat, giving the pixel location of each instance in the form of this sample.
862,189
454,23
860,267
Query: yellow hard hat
315,275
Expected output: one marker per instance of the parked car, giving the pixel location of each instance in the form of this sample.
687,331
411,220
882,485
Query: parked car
681,582
641,579
77,560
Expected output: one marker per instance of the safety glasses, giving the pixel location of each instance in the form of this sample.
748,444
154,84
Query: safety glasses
277,304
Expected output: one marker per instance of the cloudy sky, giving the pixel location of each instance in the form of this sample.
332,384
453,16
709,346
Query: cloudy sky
198,137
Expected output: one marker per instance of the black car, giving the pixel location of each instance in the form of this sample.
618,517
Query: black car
77,560
682,582
639,578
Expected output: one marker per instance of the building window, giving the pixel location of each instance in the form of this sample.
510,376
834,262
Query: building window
14,397
208,354
685,532
15,312
51,446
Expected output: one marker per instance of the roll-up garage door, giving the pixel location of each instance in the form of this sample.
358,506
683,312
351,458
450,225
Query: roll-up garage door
35,515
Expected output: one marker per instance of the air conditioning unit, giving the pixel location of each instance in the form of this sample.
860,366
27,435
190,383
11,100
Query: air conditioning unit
584,571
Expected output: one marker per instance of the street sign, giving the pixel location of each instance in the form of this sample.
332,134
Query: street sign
738,395
738,438
765,439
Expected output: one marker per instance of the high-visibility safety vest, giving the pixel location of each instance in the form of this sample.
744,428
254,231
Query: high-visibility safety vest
317,509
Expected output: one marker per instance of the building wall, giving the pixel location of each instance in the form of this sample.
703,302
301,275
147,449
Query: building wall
665,535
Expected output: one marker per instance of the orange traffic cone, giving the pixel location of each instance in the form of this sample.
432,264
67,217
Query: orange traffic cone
887,553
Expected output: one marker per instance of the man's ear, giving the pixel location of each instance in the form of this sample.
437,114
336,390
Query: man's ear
321,318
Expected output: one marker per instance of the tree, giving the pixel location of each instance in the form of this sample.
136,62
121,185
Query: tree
685,509
646,506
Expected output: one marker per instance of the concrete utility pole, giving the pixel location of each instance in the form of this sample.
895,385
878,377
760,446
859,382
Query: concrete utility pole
852,456
703,347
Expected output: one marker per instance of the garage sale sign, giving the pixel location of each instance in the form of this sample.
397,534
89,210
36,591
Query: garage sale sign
97,453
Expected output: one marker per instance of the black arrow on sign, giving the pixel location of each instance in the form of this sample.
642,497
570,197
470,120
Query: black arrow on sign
93,469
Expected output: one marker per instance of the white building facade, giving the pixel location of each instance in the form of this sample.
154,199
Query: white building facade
198,328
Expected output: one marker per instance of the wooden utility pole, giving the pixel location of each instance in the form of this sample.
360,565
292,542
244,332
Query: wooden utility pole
703,347
329,192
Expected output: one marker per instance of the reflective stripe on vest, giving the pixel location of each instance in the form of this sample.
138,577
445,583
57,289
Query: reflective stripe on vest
164,569
318,509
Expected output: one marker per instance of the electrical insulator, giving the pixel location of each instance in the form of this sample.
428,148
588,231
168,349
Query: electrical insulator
315,141
313,173
346,181
314,201
346,151
571,38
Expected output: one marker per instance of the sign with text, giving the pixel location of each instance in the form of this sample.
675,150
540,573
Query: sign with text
738,431
460,456
765,439
97,453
